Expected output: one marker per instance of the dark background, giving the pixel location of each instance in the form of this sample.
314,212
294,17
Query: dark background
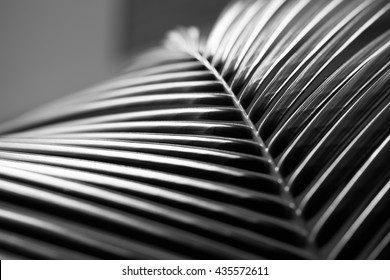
50,48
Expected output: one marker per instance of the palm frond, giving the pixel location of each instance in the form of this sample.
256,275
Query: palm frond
268,139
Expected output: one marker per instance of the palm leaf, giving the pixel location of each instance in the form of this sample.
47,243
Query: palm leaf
268,139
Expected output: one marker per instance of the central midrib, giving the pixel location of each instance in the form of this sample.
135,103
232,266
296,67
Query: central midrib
275,171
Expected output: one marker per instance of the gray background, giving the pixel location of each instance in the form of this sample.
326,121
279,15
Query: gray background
50,47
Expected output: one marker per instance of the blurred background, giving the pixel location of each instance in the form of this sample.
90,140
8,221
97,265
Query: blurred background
51,48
